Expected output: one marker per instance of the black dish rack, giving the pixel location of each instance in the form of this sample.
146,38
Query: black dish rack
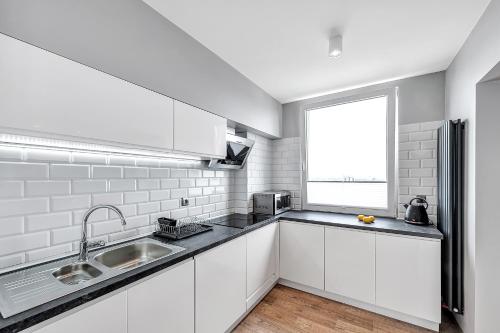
180,229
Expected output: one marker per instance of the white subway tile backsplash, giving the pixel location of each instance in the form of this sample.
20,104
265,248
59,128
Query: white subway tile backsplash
48,221
66,235
88,186
202,201
21,243
178,173
108,199
208,208
11,153
135,197
105,172
37,155
23,206
148,207
9,170
127,210
137,222
187,182
159,173
105,228
48,252
194,173
417,160
202,182
179,213
159,195
195,192
121,160
178,193
135,172
148,184
11,189
170,204
121,185
11,226
208,190
98,215
88,158
208,173
45,188
70,202
194,211
64,171
169,183
12,260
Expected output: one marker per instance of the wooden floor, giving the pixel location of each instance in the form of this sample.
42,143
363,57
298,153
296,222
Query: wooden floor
288,310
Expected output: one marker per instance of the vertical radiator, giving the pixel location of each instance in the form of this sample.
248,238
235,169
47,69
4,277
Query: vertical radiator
451,212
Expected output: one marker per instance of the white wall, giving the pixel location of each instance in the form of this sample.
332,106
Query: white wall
479,54
129,40
421,99
43,195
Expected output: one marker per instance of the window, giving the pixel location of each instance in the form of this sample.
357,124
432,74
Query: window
350,156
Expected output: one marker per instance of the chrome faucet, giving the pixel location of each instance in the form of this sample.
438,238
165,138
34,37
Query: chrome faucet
84,244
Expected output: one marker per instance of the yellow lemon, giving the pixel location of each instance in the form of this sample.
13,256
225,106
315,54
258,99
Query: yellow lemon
369,219
361,217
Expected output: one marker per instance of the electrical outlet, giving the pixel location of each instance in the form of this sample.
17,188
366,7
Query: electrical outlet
184,202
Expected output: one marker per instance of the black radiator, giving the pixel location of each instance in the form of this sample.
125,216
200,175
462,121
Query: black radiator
451,212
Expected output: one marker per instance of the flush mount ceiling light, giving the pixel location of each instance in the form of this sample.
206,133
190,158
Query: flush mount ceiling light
335,46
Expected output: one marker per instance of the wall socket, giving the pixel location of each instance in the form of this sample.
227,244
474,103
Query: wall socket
184,202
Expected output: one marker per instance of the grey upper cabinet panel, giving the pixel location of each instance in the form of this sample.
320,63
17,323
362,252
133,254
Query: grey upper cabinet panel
47,93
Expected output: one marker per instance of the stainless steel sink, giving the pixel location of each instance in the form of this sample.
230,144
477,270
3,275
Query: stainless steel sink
24,289
76,273
133,255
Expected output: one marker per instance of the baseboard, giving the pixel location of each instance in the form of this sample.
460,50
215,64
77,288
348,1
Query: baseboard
365,306
253,301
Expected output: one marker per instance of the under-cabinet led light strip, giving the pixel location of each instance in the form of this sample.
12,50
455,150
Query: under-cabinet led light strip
21,141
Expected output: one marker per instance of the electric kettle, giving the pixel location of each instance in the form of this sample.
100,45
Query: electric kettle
416,211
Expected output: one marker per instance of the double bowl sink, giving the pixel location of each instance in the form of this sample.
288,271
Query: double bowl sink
123,257
24,289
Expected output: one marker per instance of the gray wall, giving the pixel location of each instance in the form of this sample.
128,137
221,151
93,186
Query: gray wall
421,99
480,53
128,39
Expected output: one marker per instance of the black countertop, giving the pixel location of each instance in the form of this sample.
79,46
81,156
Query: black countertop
381,224
196,245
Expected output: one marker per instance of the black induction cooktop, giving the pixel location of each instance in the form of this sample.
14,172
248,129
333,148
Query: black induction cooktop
240,220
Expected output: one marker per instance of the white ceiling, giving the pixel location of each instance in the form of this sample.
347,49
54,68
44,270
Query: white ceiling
282,45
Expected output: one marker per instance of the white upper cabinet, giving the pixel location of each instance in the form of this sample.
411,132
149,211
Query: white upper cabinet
108,315
47,93
262,261
408,278
302,253
350,263
164,303
198,131
220,280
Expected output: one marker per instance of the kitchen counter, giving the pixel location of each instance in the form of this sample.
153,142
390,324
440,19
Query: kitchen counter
194,246
381,224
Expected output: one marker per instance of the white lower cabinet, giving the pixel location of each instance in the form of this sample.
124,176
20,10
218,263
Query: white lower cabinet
108,315
350,263
164,303
220,279
262,261
408,278
302,252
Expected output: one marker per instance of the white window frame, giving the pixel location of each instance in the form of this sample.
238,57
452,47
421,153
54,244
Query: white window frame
392,111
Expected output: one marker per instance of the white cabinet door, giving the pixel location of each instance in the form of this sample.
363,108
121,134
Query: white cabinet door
220,279
408,278
198,131
108,315
50,94
350,263
262,261
164,303
302,253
